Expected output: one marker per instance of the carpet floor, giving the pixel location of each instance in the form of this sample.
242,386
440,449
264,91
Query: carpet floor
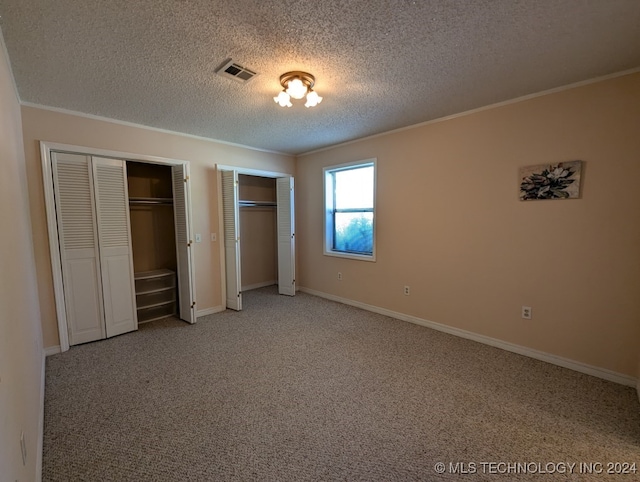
305,389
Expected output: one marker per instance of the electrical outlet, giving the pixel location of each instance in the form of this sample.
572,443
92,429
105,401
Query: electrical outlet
526,312
339,275
407,291
214,237
23,448
198,237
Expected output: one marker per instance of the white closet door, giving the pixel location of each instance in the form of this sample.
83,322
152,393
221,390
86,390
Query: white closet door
186,285
116,259
78,247
231,218
286,237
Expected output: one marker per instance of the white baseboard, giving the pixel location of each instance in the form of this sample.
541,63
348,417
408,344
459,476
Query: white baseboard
40,448
52,350
210,311
259,285
521,350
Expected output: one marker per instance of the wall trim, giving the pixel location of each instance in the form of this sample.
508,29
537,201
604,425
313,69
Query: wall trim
253,172
255,286
52,350
480,109
210,311
39,453
577,366
149,128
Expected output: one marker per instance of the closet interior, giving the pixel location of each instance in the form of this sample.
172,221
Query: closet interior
153,238
258,231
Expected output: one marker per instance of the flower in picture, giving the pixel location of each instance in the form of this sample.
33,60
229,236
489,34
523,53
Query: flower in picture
551,183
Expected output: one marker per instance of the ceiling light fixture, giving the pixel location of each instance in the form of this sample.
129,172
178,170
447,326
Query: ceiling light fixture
297,84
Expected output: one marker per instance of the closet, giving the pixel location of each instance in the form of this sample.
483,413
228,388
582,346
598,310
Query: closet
258,225
119,241
153,240
259,236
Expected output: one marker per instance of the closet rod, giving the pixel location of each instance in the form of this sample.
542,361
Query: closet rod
150,200
249,204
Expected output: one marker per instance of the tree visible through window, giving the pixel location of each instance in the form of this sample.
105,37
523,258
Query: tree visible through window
350,200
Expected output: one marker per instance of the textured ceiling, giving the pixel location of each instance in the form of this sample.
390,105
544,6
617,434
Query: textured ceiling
379,64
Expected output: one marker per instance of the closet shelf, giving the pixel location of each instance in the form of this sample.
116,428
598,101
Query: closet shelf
157,290
155,294
156,273
155,305
150,200
250,204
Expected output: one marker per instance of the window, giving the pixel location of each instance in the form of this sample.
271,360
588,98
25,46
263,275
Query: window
350,210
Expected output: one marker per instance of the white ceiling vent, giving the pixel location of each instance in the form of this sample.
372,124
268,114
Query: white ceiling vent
235,71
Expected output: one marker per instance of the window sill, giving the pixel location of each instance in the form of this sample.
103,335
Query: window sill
360,257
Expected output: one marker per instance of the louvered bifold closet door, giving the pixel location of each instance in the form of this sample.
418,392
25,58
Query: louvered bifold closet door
186,288
78,241
231,217
286,237
114,234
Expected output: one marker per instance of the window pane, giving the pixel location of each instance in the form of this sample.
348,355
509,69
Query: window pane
354,188
354,232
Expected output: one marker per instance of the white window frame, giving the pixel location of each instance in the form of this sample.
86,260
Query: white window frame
329,208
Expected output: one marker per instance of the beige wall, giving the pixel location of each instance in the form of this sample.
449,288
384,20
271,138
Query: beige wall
153,235
450,225
258,248
21,354
41,124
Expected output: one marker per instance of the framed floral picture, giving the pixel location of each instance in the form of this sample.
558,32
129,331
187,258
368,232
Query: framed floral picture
550,181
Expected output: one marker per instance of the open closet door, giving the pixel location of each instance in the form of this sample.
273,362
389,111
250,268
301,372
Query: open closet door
78,238
116,258
286,237
231,217
181,195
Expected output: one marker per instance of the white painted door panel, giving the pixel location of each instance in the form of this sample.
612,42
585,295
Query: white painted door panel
231,217
77,236
186,284
286,237
114,234
118,299
82,297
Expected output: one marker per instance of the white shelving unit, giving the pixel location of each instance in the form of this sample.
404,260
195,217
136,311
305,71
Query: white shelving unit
155,294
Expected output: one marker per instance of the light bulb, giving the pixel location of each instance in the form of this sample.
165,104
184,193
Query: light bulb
296,88
313,99
283,99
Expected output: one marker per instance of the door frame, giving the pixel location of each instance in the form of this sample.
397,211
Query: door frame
240,170
46,147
